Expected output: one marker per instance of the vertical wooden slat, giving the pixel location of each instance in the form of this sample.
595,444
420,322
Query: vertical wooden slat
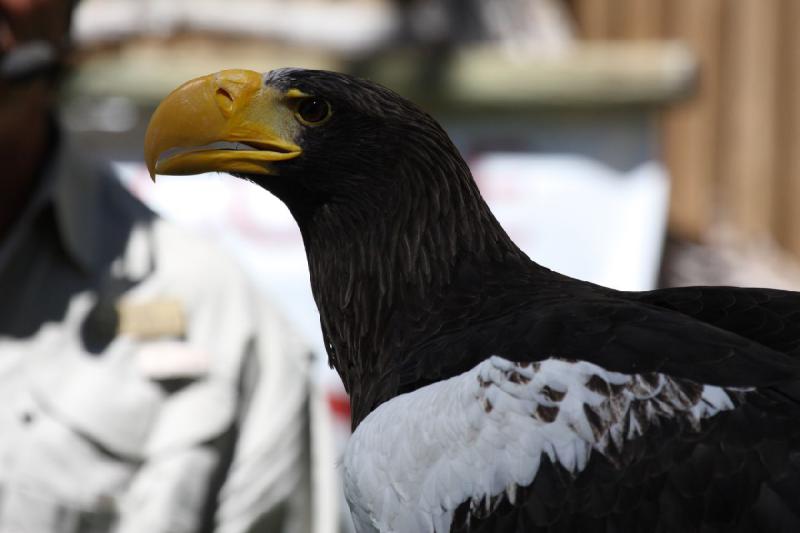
617,14
787,221
644,19
593,18
690,128
748,131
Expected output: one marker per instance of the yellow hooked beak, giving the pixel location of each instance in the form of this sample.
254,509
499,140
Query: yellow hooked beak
226,122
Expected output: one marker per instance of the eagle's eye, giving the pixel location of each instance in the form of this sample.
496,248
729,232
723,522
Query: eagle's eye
312,110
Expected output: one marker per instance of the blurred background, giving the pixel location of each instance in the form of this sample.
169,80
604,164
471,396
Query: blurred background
708,89
634,143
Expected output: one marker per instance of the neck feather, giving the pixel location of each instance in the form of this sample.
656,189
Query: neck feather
381,271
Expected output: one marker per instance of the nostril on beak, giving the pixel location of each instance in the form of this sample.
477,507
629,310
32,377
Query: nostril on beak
224,100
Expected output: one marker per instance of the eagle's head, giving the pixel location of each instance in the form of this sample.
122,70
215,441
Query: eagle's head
309,136
395,230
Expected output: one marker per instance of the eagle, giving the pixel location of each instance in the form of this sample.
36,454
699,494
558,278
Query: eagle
489,393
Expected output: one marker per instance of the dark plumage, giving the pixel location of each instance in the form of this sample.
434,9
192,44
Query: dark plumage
416,283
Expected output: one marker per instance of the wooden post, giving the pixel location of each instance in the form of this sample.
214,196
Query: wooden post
690,128
749,131
787,221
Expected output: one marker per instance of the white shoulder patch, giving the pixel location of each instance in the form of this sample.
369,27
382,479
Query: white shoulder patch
417,457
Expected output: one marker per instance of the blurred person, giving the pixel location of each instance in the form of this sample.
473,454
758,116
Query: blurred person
143,385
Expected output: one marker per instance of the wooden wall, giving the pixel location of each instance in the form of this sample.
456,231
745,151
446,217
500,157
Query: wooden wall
734,148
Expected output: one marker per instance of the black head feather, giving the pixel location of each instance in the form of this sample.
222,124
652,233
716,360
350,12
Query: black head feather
372,139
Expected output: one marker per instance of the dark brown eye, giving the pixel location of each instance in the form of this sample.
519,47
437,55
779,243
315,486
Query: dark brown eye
313,110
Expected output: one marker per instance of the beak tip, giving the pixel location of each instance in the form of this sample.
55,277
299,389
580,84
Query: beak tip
151,170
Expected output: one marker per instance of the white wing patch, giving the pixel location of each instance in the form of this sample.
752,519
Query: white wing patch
417,457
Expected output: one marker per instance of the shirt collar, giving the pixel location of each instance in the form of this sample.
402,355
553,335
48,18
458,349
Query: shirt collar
94,214
76,199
